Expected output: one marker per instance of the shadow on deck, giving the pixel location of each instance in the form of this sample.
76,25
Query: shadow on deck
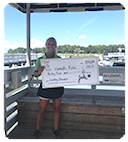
82,117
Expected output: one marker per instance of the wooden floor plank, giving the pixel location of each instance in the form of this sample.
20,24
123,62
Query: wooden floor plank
83,117
69,125
25,133
75,108
81,99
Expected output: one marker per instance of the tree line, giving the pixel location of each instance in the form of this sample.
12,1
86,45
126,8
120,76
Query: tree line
100,49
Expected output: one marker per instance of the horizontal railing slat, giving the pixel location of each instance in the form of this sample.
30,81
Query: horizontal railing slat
11,123
111,70
11,111
94,92
16,96
108,84
24,82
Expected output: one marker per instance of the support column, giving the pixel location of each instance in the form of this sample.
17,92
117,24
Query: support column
28,57
5,127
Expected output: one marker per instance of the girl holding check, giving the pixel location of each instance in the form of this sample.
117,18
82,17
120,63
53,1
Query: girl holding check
51,93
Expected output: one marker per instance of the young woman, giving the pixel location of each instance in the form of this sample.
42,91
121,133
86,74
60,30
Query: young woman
51,93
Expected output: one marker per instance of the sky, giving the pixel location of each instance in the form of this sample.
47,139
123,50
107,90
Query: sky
74,28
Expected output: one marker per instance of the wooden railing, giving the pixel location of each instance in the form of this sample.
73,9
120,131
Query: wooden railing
18,59
11,95
16,87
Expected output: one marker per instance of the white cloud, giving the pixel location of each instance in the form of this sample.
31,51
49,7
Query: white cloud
73,43
82,37
24,25
89,22
13,45
37,43
65,37
5,41
68,31
4,36
121,42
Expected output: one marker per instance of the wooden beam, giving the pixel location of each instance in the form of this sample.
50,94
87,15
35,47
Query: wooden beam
28,36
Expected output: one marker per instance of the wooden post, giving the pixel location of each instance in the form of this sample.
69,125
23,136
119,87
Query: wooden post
4,109
93,87
28,58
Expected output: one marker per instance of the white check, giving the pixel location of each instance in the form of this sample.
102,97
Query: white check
70,71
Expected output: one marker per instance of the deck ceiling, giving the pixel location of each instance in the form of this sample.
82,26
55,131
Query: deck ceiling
65,7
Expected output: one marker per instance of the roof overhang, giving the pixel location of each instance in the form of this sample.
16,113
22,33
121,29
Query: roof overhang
65,7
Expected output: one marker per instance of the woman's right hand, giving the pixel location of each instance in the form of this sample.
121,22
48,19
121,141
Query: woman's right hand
38,73
41,69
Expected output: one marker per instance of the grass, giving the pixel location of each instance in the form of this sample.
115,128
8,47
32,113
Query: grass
77,55
67,54
14,53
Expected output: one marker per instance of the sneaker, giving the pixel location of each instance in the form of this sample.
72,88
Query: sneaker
57,134
36,134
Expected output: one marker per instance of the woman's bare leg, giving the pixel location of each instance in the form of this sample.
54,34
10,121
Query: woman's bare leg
42,108
56,108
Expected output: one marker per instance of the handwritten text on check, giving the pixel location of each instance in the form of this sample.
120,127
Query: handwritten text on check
71,71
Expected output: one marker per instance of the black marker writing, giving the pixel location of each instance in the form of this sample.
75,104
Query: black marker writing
81,77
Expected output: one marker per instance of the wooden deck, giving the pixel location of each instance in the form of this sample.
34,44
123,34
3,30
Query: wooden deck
27,133
82,117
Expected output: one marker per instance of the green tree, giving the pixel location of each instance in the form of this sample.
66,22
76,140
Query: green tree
10,51
73,49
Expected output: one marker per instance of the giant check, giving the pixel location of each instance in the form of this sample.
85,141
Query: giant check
70,71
